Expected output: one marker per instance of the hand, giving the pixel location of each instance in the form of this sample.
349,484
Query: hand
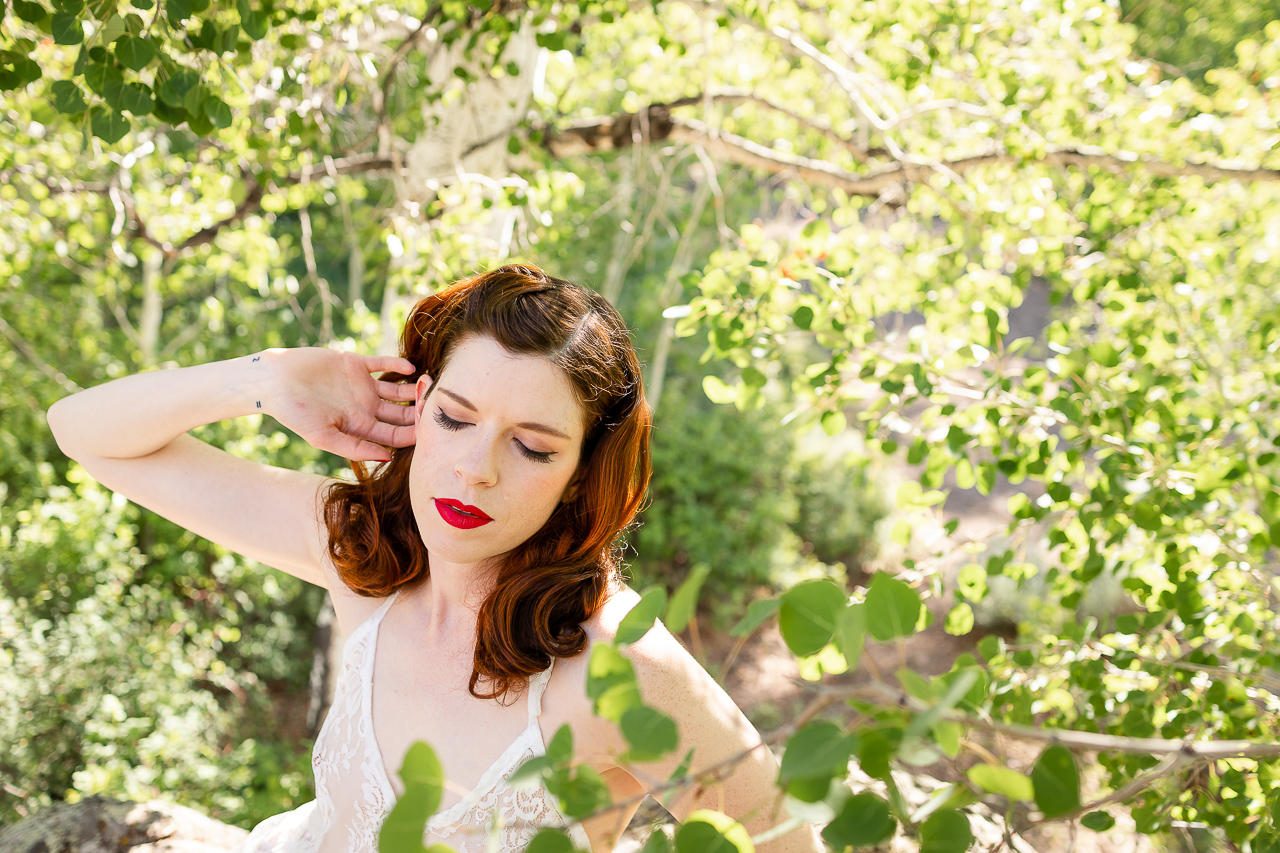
331,400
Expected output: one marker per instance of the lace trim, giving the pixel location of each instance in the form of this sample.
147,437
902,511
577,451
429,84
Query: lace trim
492,818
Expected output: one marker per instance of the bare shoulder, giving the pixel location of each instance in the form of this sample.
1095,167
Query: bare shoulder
658,648
669,677
350,608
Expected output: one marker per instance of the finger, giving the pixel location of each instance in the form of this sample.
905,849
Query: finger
395,414
389,364
392,436
350,447
396,390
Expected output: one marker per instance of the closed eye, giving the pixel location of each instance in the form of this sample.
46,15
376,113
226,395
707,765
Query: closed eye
450,424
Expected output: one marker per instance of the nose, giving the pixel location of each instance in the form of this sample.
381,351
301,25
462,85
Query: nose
477,466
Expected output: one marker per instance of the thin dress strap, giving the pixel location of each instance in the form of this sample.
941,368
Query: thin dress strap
537,686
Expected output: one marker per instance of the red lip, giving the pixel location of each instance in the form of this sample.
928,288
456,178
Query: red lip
461,515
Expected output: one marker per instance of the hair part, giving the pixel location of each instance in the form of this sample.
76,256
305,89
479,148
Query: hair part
545,588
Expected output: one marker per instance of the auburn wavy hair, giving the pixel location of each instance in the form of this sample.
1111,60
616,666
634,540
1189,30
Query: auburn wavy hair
557,579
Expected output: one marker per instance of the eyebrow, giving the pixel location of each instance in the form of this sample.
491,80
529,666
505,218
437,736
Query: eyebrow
535,427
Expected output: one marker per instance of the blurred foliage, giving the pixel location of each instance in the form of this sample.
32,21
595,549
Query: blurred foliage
852,202
1196,36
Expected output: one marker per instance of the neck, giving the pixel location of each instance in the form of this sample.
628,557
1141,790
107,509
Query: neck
448,605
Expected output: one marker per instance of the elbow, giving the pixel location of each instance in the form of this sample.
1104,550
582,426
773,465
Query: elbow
59,419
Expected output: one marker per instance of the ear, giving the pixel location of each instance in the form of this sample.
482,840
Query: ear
570,493
420,396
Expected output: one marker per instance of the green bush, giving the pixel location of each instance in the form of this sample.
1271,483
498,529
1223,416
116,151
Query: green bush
732,489
837,508
141,678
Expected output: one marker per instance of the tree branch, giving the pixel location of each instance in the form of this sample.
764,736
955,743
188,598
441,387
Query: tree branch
29,353
1079,740
393,65
606,133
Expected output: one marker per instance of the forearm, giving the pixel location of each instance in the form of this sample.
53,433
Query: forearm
140,414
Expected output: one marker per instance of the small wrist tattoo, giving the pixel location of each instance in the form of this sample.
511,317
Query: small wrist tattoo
259,404
257,358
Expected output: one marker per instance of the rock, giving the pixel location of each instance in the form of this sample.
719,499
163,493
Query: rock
101,825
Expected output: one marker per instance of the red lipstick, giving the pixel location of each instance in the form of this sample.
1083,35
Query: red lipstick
459,514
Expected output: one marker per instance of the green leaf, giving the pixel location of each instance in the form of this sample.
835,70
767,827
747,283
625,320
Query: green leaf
819,748
199,124
757,613
217,111
956,691
706,831
878,746
960,620
67,97
1098,821
550,840
803,317
1002,780
807,617
657,843
893,608
32,13
641,618
946,733
423,778
717,391
851,632
173,90
753,378
531,772
1147,516
1056,782
422,767
17,71
193,100
834,423
66,29
112,29
684,601
862,821
583,794
102,78
177,11
560,749
252,21
650,733
136,99
108,125
226,38
946,831
611,682
135,52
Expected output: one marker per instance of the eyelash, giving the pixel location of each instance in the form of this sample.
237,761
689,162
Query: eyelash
450,424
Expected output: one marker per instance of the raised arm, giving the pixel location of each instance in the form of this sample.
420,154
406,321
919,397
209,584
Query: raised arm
130,435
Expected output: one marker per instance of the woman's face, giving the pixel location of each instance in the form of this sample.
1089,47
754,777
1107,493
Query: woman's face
498,438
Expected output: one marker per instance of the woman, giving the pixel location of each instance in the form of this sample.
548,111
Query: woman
468,572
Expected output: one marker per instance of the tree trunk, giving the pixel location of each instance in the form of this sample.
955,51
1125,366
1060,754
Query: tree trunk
325,661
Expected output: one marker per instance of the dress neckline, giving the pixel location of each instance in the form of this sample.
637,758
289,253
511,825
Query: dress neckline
537,684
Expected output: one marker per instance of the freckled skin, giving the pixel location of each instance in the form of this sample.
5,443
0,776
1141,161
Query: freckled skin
707,720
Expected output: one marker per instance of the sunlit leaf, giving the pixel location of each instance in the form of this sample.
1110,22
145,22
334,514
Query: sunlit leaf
893,608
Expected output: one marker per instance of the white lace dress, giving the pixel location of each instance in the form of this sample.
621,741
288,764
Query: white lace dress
346,761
